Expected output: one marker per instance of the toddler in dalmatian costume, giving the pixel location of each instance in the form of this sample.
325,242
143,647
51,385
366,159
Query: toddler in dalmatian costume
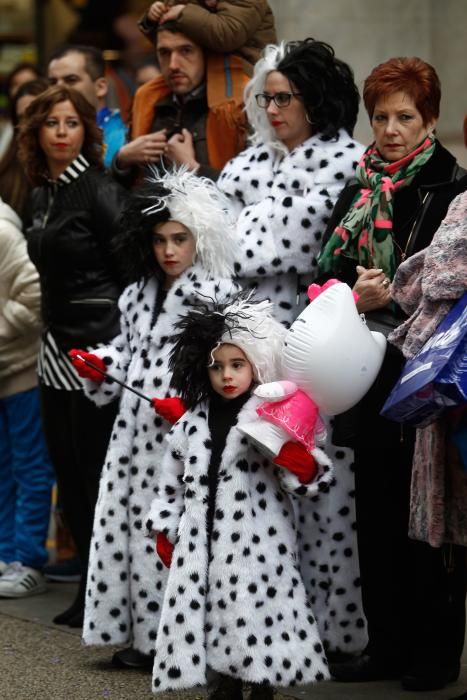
223,518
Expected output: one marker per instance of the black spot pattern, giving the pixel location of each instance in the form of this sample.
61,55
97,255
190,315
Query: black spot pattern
281,204
285,215
126,579
246,614
329,559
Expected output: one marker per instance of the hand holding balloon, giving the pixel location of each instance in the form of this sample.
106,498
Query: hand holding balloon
330,360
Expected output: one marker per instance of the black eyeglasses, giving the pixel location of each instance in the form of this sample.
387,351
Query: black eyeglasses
280,99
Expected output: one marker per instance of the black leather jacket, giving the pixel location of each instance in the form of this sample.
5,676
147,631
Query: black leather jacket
69,241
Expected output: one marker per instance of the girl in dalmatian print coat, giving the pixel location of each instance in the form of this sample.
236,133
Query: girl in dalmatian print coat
186,221
235,600
302,103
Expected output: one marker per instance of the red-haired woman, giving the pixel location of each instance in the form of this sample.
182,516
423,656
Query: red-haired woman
75,209
404,183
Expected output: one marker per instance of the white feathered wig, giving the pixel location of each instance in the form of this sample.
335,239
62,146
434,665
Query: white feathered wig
180,195
242,321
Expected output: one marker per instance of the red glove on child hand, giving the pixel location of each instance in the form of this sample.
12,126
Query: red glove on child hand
85,370
294,457
164,548
171,409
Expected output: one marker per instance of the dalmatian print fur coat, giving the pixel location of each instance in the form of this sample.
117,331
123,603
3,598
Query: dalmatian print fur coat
329,558
282,204
245,613
126,581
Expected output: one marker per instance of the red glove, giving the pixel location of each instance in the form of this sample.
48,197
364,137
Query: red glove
294,457
164,548
170,409
85,370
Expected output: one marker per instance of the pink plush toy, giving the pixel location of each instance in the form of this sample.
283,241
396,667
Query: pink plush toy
296,413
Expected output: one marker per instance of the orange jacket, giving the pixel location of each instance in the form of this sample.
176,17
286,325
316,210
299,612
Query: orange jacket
226,121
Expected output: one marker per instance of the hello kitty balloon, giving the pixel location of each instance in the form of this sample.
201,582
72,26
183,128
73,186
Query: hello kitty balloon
330,360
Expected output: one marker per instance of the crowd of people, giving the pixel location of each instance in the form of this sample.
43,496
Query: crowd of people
150,271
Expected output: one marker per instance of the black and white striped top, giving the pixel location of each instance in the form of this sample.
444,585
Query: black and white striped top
74,170
54,367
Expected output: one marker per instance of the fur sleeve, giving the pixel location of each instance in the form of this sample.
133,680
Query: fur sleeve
116,355
320,484
167,507
287,205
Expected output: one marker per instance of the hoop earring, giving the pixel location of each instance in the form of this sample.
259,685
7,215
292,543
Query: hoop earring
308,118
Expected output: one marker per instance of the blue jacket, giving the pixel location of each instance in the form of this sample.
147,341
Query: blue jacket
114,130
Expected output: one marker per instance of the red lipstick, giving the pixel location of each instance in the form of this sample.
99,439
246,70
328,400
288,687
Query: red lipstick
229,389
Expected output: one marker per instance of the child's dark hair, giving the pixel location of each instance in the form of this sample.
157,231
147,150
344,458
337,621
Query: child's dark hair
134,242
200,330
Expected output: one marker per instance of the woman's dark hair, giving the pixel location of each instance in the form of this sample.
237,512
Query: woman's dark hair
34,88
411,75
19,68
29,151
326,84
14,185
133,244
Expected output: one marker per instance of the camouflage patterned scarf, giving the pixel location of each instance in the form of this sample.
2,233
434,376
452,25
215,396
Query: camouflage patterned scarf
365,232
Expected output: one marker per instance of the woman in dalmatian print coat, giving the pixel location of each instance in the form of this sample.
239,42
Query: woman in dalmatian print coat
126,581
235,600
302,103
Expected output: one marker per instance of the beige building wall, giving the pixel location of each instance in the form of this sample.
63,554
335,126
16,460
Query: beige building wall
365,33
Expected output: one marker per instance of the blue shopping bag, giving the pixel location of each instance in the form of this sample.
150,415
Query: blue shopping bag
436,378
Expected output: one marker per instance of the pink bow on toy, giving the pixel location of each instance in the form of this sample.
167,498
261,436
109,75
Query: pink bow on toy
314,290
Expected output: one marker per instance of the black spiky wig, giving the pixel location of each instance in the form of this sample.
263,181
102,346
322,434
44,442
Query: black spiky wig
133,244
241,321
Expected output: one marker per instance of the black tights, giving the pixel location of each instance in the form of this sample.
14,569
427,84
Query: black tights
77,434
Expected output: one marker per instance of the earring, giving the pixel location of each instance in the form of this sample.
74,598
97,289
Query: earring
308,118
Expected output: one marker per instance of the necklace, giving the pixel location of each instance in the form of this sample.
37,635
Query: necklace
403,251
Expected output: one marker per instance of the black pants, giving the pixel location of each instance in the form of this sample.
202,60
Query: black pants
413,594
77,434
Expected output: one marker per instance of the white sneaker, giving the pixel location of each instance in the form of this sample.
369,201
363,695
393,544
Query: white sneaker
18,581
3,566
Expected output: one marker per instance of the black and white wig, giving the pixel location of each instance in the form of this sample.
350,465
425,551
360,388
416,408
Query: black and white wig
133,244
198,204
241,321
326,84
177,195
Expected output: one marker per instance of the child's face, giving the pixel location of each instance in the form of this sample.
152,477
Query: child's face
231,374
174,247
